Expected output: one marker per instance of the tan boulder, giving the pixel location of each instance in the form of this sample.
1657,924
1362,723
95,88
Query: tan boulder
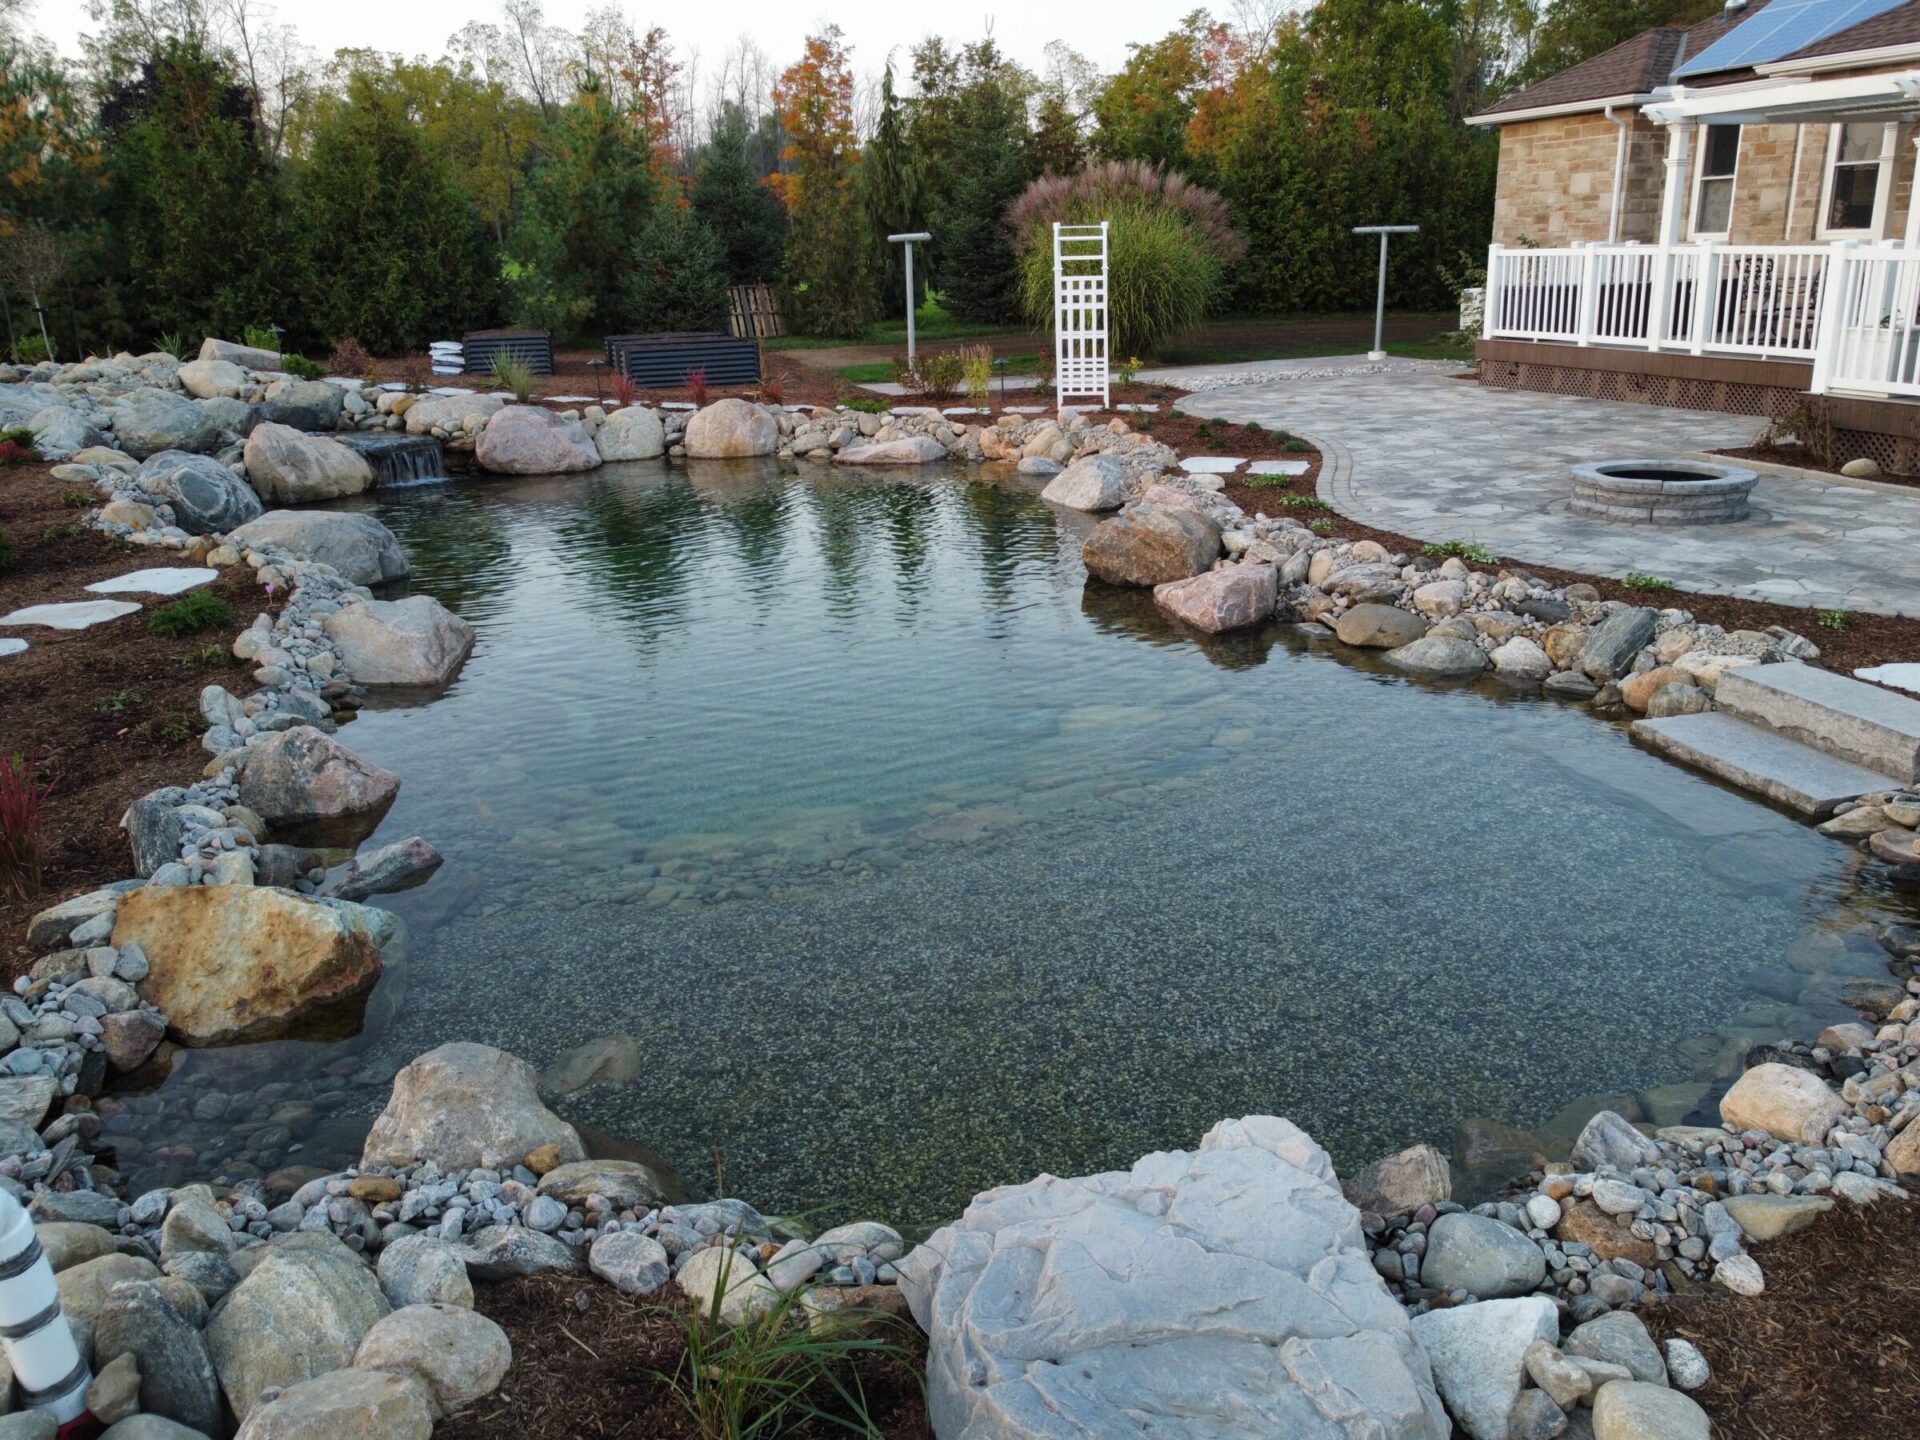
1379,627
234,962
1151,545
212,379
1637,690
292,467
311,790
1401,1183
731,429
452,413
1786,1102
533,440
415,641
1564,643
1584,1223
462,1102
1230,598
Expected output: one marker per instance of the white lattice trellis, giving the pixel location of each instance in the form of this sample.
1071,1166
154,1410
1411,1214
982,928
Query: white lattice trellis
1080,313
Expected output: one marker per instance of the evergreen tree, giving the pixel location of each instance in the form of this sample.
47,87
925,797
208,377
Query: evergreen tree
731,200
677,277
978,279
1055,146
890,180
827,246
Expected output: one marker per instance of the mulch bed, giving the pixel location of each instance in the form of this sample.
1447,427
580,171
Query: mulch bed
1864,639
108,713
584,1357
1798,455
1831,1351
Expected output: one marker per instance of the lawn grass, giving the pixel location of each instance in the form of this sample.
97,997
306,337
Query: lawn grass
931,323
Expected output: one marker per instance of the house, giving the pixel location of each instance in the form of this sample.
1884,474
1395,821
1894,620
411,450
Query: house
1722,216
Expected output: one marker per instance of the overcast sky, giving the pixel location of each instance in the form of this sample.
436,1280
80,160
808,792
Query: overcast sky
421,27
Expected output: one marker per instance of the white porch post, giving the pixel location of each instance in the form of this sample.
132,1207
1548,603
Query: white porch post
1672,210
1913,199
1828,336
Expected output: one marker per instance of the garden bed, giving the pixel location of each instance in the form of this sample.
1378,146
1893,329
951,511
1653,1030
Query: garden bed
1802,458
107,713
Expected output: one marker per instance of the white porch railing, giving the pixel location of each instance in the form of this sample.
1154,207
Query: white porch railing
1870,326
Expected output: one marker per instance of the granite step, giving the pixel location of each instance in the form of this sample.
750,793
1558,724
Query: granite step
1847,719
1759,759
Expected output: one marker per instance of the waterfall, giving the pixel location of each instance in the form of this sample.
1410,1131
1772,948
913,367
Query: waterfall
400,459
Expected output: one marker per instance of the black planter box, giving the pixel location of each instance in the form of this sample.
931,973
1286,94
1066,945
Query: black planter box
662,361
534,347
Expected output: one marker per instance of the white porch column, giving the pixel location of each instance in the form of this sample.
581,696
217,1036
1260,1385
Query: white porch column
1673,196
1883,198
1913,198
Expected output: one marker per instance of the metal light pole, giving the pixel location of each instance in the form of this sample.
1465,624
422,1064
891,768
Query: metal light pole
917,237
1379,351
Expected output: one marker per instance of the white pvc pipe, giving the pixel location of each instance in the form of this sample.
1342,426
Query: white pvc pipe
52,1374
1619,174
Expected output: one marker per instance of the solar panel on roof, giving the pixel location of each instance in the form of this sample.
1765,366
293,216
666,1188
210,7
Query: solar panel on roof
1782,28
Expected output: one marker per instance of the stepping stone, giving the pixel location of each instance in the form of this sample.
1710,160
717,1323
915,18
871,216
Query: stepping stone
1212,464
11,646
571,400
1904,675
1026,410
73,615
1278,467
913,410
1137,408
166,580
678,405
1759,760
1859,723
436,390
963,410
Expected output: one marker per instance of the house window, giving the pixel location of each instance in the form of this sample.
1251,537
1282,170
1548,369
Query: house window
1713,199
1853,178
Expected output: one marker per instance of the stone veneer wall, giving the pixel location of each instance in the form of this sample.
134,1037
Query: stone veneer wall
1556,180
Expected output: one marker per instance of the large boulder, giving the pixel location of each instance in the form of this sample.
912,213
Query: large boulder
462,1102
627,1183
1612,644
363,1404
632,433
1230,598
458,1354
363,550
1610,1139
532,440
1098,482
1401,1183
59,432
234,962
1379,627
84,1287
1478,1353
176,1373
1151,545
425,1270
145,422
1788,1103
1438,657
415,641
305,404
250,357
294,468
907,450
207,498
210,379
1478,1254
1224,1291
298,1313
452,413
312,790
729,429
1635,1410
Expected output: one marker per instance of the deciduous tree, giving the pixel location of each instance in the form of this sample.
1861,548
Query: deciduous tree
827,245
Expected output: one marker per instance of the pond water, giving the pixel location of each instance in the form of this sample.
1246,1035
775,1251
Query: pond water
916,866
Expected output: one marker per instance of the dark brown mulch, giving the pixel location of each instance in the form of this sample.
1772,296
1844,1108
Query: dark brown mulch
108,713
1798,455
584,1358
1863,640
1831,1350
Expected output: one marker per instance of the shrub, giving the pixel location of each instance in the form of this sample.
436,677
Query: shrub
302,368
171,343
1640,580
1169,246
772,391
189,615
938,374
31,350
678,275
349,358
696,379
976,367
18,446
23,799
624,390
1464,549
516,375
261,337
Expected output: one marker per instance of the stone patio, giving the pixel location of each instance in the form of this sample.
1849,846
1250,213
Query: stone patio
1440,458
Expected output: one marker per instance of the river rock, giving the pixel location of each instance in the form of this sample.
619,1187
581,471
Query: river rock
1379,627
232,962
533,440
54,927
363,1404
1480,1255
206,379
907,450
1620,1338
604,1060
415,641
84,1287
129,1039
631,433
176,1375
1767,1217
1610,1139
299,1313
250,357
730,428
1439,657
719,1276
387,870
424,1270
207,497
1401,1183
1678,698
462,1102
364,551
632,1263
627,1183
1637,690
115,1391
1612,644
290,467
305,405
452,413
312,790
1522,659
1478,1354
457,1353
1438,599
1098,482
1785,1101
67,1244
1230,598
506,1252
1226,1291
1630,1410
148,421
1151,545
24,1099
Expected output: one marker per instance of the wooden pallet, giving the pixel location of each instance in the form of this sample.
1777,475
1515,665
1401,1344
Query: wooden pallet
756,313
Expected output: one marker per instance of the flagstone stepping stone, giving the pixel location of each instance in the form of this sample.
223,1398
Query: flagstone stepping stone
1277,467
72,615
1137,408
11,647
963,410
165,580
1904,675
1026,410
678,405
913,410
571,400
1212,464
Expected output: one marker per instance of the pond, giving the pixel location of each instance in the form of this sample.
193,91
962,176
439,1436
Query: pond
915,865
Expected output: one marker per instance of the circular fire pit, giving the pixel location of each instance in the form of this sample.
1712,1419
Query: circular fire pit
1662,492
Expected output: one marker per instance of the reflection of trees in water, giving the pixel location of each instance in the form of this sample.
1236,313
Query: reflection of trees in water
456,547
638,544
757,519
1006,528
840,520
911,516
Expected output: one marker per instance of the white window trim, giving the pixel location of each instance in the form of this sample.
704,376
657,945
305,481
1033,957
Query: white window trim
1700,179
1876,228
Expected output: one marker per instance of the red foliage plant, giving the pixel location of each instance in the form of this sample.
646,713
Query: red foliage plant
772,391
12,452
349,358
22,808
624,390
696,379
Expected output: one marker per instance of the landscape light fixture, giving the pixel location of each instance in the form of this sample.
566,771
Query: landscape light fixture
916,237
596,366
1379,351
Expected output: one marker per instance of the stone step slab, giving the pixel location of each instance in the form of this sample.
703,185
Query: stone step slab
1846,718
1758,759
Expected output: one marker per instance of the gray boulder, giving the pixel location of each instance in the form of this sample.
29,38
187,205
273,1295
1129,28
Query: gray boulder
248,357
362,1404
627,1183
1438,657
298,1314
363,550
1610,1139
457,1353
207,498
176,1374
1098,482
1612,644
312,790
1224,1291
305,404
151,1427
84,1287
1379,627
146,422
1619,1337
506,1252
1478,1353
729,429
289,466
631,433
1480,1255
154,834
533,440
424,1270
388,870
59,431
907,450
632,1263
462,1102
416,641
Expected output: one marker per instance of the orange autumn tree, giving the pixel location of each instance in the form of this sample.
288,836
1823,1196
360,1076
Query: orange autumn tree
828,265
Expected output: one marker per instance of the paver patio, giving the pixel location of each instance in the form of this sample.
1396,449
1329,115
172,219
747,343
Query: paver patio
1440,458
